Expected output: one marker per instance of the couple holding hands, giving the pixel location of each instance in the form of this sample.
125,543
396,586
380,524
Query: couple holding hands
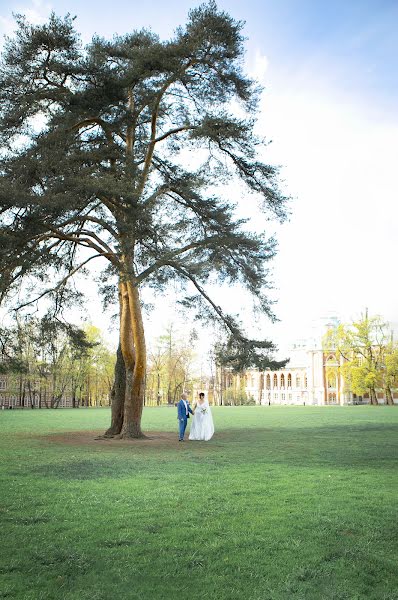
202,427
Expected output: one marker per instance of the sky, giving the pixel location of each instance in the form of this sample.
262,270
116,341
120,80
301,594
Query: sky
330,108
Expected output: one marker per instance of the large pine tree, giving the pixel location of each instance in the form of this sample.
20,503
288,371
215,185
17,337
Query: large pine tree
95,166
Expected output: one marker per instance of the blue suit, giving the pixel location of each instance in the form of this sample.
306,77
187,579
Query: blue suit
183,417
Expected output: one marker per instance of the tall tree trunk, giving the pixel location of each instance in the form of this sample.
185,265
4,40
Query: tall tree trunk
117,395
135,361
20,391
373,396
389,398
130,368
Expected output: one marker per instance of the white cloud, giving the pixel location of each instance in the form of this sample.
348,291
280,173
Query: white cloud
7,26
338,252
259,67
36,12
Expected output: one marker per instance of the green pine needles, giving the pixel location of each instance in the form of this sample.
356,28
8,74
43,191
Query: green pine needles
95,167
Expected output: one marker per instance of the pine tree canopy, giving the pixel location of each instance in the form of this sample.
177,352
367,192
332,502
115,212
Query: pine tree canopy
116,151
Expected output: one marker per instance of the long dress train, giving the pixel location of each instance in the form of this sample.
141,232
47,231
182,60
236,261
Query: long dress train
202,427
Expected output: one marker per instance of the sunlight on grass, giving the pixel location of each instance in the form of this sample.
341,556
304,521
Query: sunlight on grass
283,503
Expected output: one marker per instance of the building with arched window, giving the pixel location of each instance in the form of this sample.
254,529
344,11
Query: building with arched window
312,377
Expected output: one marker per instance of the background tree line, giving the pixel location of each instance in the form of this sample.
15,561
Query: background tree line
171,367
367,357
49,364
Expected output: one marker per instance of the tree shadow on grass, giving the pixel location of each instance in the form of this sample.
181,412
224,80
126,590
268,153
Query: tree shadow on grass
339,446
359,446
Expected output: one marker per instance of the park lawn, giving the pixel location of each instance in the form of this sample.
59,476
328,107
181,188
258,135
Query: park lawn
284,503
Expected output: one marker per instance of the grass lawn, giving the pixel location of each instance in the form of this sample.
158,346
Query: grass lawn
283,503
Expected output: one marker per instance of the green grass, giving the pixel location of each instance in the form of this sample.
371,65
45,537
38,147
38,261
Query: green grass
283,503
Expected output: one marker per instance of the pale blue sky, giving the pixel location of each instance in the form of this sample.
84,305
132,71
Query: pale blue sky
352,44
331,92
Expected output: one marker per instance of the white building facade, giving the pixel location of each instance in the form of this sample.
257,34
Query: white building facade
312,377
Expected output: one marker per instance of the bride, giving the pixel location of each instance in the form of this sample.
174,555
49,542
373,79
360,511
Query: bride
202,427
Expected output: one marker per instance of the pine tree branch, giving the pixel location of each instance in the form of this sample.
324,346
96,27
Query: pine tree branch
130,136
98,240
111,204
165,260
110,255
151,146
217,309
163,189
154,119
87,217
173,131
59,284
95,121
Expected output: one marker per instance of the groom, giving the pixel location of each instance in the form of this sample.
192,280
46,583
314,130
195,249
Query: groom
183,415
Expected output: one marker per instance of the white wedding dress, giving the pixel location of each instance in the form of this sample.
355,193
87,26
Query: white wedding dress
202,427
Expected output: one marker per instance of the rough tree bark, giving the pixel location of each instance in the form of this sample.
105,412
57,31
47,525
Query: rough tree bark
117,396
373,396
389,398
132,339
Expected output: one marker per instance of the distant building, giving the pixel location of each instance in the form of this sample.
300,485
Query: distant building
312,377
